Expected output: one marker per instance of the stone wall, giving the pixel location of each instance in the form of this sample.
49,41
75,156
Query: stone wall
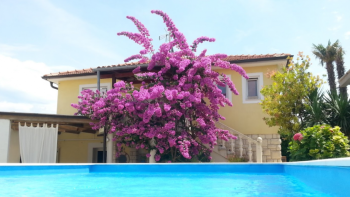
271,145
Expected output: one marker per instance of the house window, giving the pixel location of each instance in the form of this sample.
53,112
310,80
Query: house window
251,88
225,90
104,87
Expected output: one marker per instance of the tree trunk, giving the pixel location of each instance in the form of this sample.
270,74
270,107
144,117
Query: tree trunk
331,77
341,71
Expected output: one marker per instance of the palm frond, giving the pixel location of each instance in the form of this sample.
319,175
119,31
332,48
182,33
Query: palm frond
339,109
320,53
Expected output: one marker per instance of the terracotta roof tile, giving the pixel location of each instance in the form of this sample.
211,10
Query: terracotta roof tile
229,58
246,57
120,65
72,72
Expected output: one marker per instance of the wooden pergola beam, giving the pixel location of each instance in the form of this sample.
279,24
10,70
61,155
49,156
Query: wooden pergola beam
73,132
89,131
68,124
68,127
44,118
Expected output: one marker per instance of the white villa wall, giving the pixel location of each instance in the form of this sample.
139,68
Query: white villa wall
5,128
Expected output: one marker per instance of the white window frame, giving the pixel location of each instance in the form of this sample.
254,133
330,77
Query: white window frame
104,85
259,76
228,91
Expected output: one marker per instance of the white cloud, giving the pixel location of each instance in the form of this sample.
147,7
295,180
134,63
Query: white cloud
240,35
275,50
336,28
339,18
337,25
9,50
15,107
71,29
23,90
347,35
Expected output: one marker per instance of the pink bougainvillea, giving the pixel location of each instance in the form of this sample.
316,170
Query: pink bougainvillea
176,110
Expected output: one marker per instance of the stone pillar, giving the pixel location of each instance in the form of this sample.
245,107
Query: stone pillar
5,129
151,158
271,147
153,151
259,150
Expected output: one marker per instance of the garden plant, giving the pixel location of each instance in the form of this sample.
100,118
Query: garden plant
286,101
175,109
318,142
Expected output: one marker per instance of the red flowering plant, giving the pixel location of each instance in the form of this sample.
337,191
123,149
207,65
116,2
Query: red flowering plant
173,113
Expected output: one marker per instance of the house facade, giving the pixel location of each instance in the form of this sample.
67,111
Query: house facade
78,143
245,117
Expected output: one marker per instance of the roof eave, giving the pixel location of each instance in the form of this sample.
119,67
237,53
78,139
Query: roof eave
261,59
37,117
131,67
143,66
70,75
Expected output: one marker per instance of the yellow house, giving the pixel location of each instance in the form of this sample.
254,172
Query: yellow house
244,119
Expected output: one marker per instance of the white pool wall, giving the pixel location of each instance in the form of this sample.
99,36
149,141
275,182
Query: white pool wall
345,161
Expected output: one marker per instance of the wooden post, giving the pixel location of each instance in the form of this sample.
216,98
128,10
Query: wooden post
114,79
104,157
104,145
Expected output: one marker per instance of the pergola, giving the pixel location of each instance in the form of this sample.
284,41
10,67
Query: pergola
67,123
9,125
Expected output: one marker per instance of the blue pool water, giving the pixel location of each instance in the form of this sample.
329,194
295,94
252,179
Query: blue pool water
165,180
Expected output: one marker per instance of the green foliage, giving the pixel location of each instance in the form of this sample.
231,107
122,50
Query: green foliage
330,108
237,159
338,107
319,142
326,54
316,109
285,101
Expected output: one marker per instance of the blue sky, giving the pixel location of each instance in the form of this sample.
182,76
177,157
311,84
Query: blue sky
42,36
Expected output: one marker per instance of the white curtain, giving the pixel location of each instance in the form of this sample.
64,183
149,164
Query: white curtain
38,144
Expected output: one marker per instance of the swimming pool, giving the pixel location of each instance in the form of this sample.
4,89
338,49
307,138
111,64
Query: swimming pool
185,179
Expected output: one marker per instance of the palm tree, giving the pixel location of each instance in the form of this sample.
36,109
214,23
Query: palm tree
327,55
317,111
339,60
339,111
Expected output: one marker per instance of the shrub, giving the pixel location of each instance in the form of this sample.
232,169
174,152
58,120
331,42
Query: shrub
319,142
177,105
237,159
